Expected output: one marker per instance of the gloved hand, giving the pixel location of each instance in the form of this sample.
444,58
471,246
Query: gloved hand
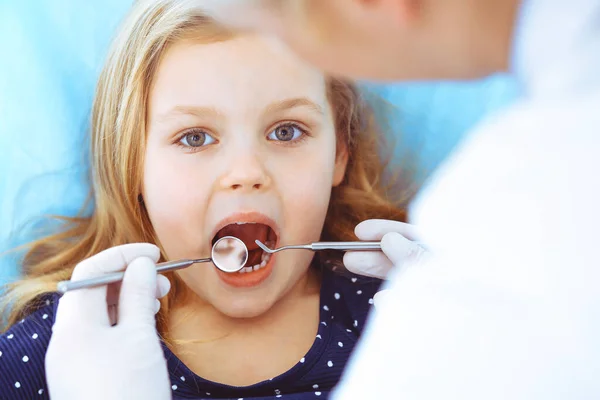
399,250
87,357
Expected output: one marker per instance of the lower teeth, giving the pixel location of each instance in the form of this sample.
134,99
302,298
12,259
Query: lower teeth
264,260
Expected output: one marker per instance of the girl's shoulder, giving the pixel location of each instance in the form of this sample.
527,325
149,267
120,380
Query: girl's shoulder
23,351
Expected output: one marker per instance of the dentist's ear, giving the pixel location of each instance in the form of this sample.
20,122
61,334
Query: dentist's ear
401,11
244,15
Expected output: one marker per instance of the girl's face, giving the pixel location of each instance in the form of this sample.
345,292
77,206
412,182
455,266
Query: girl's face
241,142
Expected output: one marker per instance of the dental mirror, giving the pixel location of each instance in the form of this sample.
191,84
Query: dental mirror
229,254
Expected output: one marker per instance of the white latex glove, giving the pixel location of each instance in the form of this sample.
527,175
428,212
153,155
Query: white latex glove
87,357
399,250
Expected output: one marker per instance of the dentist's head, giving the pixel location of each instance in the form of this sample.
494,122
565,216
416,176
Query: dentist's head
385,39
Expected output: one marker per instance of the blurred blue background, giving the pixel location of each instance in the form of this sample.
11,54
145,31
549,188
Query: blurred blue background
52,52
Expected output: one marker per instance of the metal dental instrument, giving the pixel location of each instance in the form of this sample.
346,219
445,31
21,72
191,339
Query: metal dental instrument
356,246
229,254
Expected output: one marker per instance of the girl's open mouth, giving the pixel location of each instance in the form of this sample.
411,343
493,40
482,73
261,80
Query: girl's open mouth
259,264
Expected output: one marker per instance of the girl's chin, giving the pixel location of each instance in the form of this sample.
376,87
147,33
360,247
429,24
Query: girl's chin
243,307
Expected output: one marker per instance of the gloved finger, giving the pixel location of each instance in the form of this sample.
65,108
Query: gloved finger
375,229
137,303
113,260
381,297
163,285
91,304
400,250
368,263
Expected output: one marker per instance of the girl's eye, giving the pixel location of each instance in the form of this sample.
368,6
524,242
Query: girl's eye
286,133
196,138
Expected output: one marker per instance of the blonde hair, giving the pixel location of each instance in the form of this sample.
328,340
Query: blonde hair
118,129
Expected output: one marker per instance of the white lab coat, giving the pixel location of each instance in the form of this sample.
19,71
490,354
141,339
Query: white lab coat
509,308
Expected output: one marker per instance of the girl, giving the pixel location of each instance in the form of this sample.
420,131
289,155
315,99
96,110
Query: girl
198,133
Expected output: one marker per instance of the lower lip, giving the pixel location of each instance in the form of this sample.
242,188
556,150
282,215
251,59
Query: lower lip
247,279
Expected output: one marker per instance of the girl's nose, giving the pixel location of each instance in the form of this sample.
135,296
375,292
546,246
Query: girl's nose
246,171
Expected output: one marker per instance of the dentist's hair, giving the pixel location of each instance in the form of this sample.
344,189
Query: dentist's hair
118,133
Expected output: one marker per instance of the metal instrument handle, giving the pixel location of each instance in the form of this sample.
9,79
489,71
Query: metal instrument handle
65,286
353,246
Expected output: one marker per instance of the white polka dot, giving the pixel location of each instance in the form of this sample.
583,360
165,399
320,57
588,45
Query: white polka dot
23,320
182,378
340,344
278,396
174,387
208,394
47,302
241,398
325,308
318,393
348,330
337,296
302,360
277,391
370,301
353,280
44,316
17,384
319,336
315,386
40,391
333,316
324,323
355,323
359,292
329,364
10,336
34,336
25,358
0,354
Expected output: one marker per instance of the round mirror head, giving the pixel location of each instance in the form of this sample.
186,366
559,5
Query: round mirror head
229,254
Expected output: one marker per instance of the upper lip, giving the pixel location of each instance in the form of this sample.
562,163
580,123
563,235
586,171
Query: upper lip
247,217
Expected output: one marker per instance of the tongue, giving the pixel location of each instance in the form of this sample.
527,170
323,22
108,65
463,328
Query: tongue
247,233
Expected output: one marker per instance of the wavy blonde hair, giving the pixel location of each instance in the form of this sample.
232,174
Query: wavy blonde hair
118,132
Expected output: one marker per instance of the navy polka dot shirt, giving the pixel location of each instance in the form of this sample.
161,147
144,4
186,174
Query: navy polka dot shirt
345,302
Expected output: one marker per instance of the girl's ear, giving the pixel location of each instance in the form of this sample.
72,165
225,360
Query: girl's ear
341,162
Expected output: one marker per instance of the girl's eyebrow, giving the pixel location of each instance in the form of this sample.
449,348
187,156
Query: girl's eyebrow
287,104
212,112
195,111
